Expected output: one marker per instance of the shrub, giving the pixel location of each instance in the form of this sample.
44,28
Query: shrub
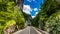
53,23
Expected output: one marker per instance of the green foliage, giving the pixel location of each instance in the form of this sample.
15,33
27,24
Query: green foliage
48,8
53,23
48,18
9,23
6,13
19,18
1,28
35,22
9,15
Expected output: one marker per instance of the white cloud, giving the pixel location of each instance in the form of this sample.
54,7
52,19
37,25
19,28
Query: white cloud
29,0
33,16
39,9
36,12
35,9
27,9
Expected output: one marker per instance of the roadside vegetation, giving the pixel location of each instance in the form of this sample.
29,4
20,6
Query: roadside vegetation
48,19
10,15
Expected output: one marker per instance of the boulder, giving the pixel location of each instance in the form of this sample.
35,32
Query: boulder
10,29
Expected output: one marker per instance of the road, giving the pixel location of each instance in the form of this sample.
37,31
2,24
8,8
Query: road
28,30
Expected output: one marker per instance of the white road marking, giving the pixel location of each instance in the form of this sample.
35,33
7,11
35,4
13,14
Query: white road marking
37,30
29,30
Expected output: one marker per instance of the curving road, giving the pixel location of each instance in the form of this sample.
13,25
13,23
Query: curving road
28,30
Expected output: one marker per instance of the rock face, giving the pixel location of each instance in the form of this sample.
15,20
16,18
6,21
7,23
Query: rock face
19,3
10,29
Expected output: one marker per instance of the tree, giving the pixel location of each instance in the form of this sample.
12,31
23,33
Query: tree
47,16
10,14
47,9
53,23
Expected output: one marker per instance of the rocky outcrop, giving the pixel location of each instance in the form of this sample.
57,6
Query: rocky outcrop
10,29
19,3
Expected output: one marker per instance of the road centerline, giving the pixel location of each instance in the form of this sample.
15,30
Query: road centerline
29,30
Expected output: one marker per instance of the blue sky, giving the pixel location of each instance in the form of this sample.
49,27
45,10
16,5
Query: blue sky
32,7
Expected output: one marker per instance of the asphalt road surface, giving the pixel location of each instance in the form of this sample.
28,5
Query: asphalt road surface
28,30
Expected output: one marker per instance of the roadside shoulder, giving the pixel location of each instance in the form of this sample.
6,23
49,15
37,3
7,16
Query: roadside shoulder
19,31
43,32
36,30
